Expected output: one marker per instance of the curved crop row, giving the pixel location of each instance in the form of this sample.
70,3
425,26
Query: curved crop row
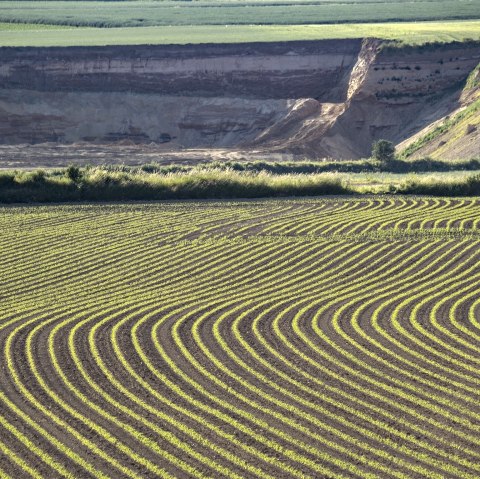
332,338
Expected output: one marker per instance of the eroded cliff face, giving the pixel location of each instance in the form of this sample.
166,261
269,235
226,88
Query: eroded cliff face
324,98
255,71
404,90
455,134
31,117
393,94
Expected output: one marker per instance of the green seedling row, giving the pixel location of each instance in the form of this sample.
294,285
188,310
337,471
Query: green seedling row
286,338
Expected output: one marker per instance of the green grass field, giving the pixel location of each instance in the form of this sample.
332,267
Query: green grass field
32,23
161,13
412,33
275,339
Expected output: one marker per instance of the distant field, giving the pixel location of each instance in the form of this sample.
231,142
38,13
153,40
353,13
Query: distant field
16,27
42,35
65,23
156,13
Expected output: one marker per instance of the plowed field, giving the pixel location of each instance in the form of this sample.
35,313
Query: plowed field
331,338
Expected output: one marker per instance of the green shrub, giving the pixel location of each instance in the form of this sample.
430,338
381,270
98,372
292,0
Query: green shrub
383,151
73,173
7,179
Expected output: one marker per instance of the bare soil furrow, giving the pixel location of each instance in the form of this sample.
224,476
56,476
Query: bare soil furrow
297,338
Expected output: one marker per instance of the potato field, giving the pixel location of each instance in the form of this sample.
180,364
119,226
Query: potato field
307,338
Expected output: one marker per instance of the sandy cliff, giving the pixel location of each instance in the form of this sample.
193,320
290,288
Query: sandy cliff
323,98
393,93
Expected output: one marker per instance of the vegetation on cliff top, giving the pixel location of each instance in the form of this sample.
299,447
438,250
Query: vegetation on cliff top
36,35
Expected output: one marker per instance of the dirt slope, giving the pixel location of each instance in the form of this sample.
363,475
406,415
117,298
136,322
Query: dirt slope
393,94
456,135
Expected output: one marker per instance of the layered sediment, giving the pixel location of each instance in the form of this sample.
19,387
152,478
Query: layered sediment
315,98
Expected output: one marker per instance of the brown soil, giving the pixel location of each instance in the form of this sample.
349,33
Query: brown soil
288,408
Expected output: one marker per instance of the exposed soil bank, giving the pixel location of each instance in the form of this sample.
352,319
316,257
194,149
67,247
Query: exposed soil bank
315,98
253,70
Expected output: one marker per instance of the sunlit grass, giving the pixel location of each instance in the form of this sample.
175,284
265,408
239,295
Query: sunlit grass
412,33
225,12
103,184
